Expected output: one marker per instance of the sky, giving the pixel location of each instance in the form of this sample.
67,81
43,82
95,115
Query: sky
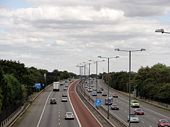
61,34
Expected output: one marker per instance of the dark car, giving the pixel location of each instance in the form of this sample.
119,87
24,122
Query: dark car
163,123
114,107
139,111
53,101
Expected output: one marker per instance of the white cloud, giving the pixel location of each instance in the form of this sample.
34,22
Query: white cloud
59,34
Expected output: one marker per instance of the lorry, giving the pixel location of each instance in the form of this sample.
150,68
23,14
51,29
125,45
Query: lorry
56,86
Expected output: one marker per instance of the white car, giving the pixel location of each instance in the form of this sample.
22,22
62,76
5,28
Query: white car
133,118
69,115
64,99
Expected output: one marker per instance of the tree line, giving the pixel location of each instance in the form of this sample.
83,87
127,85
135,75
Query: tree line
17,81
149,82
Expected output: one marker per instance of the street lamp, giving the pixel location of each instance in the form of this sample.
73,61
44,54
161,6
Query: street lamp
84,68
129,86
89,75
80,69
96,62
108,58
162,31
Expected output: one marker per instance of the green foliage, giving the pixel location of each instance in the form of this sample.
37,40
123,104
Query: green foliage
13,90
150,83
17,81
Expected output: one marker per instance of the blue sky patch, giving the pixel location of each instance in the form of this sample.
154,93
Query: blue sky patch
14,4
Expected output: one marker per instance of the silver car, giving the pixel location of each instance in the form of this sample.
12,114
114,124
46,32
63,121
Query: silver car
133,118
69,115
64,99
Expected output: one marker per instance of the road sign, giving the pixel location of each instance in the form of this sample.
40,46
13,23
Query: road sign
98,102
37,86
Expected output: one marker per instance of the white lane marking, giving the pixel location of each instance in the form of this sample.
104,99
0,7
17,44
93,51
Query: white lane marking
58,115
88,109
154,112
43,110
72,105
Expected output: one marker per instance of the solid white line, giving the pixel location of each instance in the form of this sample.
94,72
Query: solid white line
43,110
72,105
88,109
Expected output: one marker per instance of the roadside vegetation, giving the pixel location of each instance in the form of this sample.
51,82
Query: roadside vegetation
17,84
149,82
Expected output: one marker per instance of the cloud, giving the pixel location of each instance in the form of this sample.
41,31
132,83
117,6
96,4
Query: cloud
59,34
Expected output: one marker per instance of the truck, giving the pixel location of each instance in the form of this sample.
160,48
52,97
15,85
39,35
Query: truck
56,86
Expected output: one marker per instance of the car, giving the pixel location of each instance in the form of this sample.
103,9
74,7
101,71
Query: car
99,91
69,115
64,99
90,90
85,86
163,123
108,101
64,95
114,107
94,93
115,95
66,85
139,111
94,89
104,94
134,104
65,88
92,86
133,118
53,101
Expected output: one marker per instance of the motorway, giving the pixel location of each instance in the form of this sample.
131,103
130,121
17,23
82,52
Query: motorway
43,114
149,119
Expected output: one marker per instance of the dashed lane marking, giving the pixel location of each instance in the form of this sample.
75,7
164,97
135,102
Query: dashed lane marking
43,110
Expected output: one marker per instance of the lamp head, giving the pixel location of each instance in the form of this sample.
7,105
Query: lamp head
117,49
143,49
160,30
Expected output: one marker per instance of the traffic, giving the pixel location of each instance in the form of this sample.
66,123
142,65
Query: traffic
141,115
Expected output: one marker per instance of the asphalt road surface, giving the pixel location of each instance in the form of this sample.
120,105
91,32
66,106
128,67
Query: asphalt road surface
149,119
43,114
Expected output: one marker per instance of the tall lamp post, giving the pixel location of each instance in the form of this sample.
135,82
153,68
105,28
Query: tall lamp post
89,75
108,59
96,62
162,31
129,86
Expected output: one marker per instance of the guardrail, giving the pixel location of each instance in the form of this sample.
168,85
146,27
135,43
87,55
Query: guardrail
151,102
100,112
16,114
